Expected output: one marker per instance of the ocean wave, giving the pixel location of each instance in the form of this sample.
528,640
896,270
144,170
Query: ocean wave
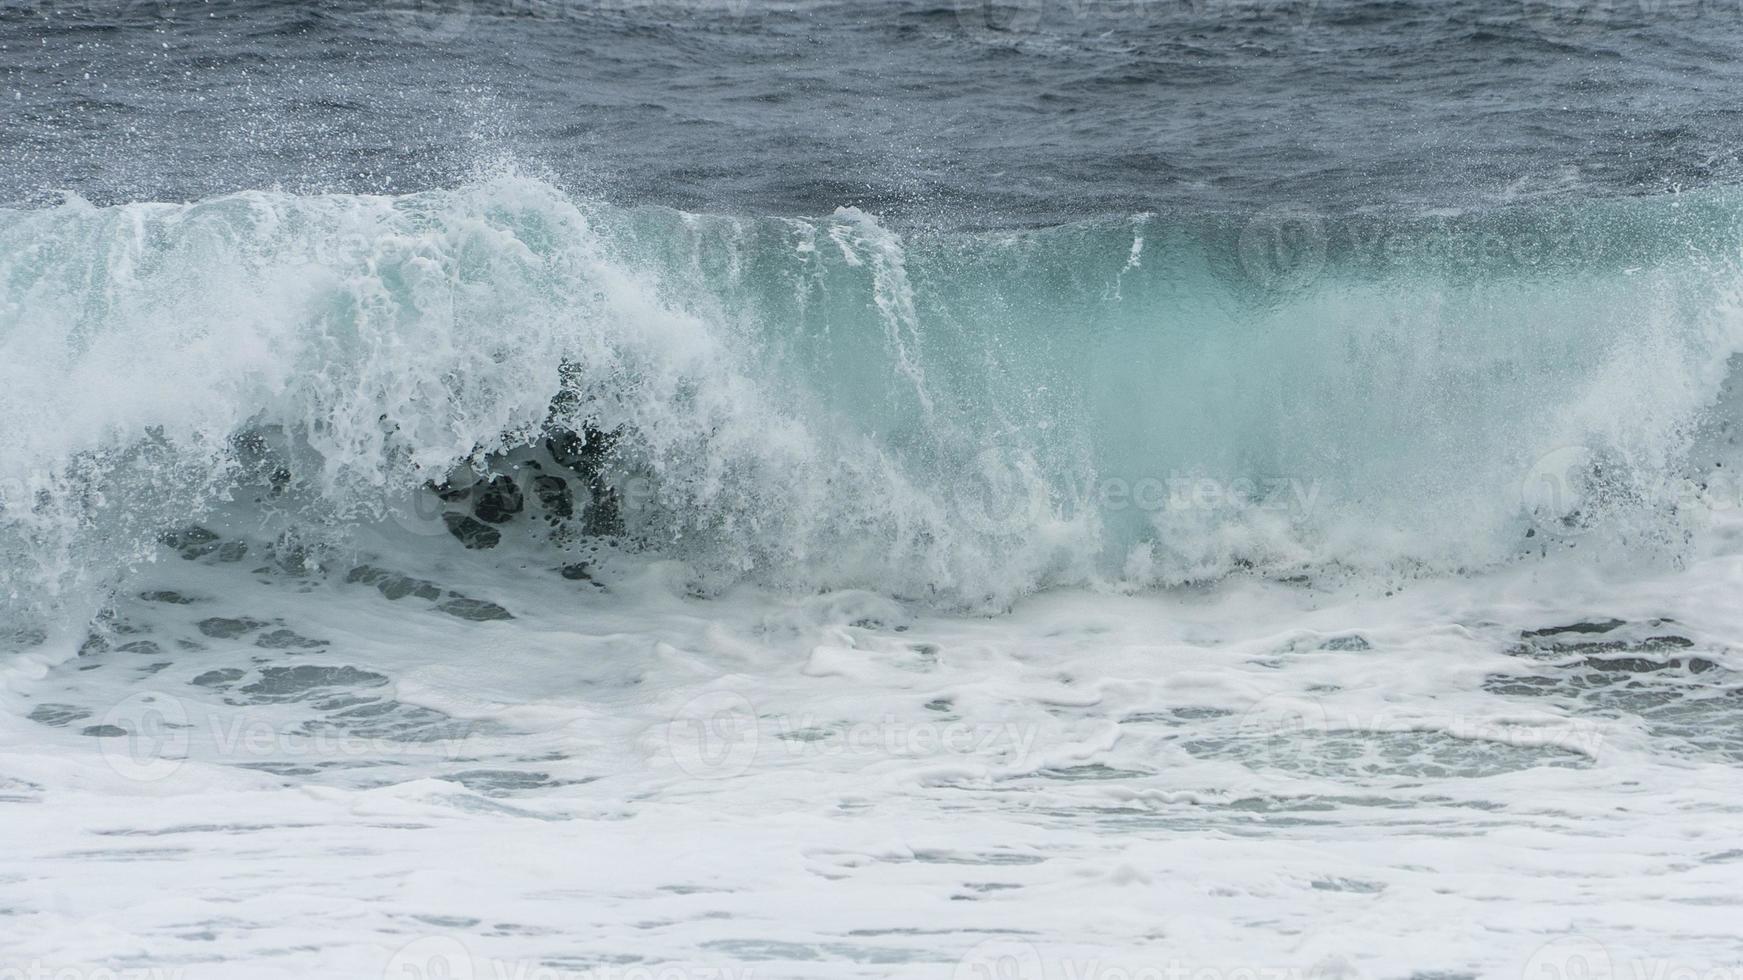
830,402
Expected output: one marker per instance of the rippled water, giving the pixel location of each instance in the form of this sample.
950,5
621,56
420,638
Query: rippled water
961,113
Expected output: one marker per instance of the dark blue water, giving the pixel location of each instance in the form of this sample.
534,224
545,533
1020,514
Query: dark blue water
948,112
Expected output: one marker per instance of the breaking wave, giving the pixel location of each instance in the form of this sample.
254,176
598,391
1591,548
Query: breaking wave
959,417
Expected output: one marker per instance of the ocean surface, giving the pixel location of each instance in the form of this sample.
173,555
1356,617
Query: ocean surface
1030,490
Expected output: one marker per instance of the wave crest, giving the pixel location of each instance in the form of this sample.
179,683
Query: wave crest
830,403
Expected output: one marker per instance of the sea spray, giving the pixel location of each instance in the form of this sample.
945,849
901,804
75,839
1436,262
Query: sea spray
958,418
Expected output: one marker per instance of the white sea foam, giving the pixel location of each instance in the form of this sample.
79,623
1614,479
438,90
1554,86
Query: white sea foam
1255,777
488,583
